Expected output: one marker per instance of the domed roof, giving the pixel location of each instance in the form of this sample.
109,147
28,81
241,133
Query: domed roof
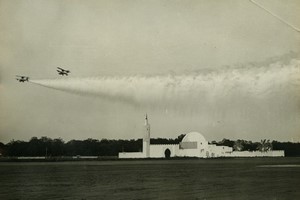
194,137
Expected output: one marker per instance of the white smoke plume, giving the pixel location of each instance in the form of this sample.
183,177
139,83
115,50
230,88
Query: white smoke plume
200,90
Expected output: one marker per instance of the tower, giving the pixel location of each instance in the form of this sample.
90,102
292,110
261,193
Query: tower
146,139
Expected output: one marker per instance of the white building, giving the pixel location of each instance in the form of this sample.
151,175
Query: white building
192,145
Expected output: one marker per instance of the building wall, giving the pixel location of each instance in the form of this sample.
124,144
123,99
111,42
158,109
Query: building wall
256,154
201,151
132,155
191,153
158,150
217,151
193,145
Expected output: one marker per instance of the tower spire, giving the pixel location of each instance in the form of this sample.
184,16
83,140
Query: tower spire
146,138
146,120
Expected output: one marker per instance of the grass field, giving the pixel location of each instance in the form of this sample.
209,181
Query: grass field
238,178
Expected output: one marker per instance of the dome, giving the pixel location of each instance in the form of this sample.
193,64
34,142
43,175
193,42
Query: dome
194,137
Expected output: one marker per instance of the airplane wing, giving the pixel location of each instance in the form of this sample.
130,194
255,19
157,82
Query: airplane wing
26,78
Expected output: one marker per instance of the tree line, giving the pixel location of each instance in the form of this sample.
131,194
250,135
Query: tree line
291,149
48,147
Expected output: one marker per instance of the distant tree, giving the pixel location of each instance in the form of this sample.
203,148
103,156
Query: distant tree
16,148
162,141
34,147
213,142
2,147
57,147
265,145
238,145
180,137
290,149
226,142
105,147
73,148
130,145
249,146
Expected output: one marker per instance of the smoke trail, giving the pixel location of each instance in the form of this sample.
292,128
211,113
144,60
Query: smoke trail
197,90
276,16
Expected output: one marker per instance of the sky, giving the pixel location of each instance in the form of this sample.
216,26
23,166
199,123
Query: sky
226,69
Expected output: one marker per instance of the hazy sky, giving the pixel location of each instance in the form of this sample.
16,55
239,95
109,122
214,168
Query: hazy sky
224,68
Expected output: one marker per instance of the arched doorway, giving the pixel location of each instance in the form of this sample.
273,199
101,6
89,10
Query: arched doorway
167,153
